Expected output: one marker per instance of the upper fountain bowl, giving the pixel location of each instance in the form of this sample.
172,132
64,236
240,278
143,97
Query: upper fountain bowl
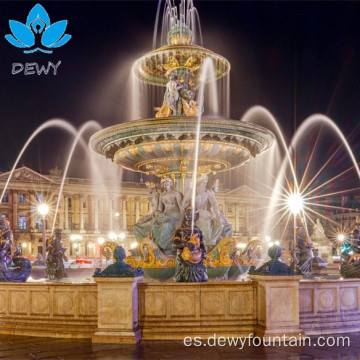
180,59
166,146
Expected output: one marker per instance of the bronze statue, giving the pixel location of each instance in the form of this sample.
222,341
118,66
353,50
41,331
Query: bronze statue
302,257
55,269
119,268
190,251
274,266
17,268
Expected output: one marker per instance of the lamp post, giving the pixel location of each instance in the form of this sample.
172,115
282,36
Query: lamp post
43,210
75,238
295,204
340,238
101,241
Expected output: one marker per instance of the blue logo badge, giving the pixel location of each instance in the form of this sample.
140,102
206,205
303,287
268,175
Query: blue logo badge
38,33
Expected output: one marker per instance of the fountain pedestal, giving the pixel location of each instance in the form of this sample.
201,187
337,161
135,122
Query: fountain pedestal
278,306
117,311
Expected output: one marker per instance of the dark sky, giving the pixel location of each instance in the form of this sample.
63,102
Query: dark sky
295,58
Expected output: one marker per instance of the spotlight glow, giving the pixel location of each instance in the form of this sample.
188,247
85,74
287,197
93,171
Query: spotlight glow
341,237
43,209
295,203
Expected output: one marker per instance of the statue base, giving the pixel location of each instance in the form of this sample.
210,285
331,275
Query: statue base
117,311
278,307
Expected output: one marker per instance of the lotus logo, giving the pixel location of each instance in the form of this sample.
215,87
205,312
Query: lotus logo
38,33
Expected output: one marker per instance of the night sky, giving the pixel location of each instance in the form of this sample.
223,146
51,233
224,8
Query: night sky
294,58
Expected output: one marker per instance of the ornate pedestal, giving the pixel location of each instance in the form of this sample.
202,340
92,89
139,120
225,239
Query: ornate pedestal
117,311
278,306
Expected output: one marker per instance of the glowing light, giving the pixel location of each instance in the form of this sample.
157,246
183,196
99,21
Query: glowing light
122,236
341,237
24,245
43,209
75,245
270,243
241,245
277,242
112,236
101,240
295,203
133,245
267,238
117,214
91,245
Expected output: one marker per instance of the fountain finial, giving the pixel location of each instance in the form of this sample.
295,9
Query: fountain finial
179,34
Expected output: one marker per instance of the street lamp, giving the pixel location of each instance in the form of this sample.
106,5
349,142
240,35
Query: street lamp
43,210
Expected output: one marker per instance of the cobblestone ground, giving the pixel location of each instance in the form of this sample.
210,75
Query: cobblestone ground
21,347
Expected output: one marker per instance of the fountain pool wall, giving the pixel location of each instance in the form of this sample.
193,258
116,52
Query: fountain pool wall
114,310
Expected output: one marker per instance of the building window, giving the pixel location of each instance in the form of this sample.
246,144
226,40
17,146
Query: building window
5,198
229,208
84,203
22,222
70,222
22,199
40,198
5,215
69,203
38,223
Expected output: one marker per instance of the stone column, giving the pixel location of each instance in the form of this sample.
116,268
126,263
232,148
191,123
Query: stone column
66,204
124,222
90,223
15,202
117,311
278,306
76,213
33,211
81,212
96,214
111,213
137,209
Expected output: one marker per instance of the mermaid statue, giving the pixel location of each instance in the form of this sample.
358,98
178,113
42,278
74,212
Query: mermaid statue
190,250
17,268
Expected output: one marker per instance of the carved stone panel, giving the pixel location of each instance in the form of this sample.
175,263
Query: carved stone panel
64,304
349,298
327,300
19,301
306,300
3,302
153,303
284,308
241,303
183,303
40,303
87,304
212,303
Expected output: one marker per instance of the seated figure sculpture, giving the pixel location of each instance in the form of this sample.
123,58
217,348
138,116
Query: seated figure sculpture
210,222
190,251
168,216
17,268
143,228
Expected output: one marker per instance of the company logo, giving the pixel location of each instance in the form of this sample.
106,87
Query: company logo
37,34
